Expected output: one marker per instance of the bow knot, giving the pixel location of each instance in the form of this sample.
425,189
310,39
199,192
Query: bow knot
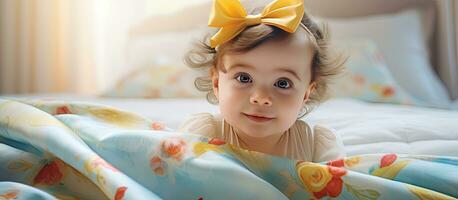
232,18
252,19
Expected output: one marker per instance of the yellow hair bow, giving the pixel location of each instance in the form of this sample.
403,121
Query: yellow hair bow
232,18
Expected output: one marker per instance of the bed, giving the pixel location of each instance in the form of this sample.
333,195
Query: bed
418,125
392,127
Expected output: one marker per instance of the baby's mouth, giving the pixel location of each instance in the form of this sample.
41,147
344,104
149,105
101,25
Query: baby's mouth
258,118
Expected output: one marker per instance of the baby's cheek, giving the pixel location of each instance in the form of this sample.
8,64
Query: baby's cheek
287,120
229,104
233,95
290,110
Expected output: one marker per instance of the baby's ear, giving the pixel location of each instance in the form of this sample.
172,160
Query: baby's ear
215,80
311,88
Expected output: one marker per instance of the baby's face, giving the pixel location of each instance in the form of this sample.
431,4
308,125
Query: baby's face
263,90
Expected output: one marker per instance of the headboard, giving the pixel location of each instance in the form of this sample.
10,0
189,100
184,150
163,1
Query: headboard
438,15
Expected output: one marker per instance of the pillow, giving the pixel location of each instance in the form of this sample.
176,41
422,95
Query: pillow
404,47
160,71
165,81
367,76
163,48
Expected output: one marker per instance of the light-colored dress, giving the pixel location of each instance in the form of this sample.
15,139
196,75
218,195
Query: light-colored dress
299,142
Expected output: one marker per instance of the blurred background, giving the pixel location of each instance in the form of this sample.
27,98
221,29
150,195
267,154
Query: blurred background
401,51
69,46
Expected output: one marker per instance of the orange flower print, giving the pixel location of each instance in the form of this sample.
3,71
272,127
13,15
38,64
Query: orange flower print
174,148
387,160
387,91
216,141
50,174
314,176
63,110
120,193
99,162
157,126
8,195
158,165
336,163
389,168
352,161
322,180
334,187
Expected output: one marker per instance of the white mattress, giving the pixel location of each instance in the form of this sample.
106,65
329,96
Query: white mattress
364,127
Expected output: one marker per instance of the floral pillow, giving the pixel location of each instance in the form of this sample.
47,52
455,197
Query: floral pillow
165,81
367,76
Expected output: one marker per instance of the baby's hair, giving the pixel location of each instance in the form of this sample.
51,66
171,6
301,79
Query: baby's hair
326,65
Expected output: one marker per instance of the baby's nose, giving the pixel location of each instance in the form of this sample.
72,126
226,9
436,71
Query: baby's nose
261,100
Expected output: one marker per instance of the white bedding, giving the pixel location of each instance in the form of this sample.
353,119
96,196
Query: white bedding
364,127
377,128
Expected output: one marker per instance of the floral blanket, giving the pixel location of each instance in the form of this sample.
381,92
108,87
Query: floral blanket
71,150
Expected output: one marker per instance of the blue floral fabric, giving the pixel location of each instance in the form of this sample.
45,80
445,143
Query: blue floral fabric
71,150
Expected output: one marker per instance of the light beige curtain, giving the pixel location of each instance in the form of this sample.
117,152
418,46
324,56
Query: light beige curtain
447,41
46,47
454,82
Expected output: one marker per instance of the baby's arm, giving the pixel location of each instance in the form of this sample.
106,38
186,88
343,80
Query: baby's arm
202,123
328,144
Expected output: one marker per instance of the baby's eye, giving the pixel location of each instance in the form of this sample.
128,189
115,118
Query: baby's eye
283,84
243,78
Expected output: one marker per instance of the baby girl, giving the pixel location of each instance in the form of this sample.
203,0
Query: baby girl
266,71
